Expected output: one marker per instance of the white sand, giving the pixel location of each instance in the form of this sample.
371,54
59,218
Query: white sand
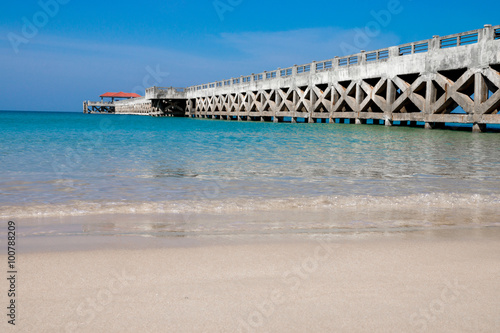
414,282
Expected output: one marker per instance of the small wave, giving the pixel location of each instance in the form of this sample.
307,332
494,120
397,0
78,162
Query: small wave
421,202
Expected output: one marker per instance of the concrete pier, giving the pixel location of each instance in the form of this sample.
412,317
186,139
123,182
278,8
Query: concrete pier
450,79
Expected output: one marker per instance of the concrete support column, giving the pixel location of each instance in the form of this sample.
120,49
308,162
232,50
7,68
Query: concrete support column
358,122
478,128
480,96
430,97
480,91
359,96
313,100
390,99
429,126
388,122
278,99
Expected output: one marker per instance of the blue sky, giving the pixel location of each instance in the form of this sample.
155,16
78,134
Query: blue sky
56,53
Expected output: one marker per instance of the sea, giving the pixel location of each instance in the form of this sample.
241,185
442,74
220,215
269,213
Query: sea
95,174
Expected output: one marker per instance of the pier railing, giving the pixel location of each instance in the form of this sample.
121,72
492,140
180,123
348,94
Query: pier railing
436,43
98,103
165,92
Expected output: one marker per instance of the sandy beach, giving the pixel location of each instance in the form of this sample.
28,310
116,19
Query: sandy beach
435,281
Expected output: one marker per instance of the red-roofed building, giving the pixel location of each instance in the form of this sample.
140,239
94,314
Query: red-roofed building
120,94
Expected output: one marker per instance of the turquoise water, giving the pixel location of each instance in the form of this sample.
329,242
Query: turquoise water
71,163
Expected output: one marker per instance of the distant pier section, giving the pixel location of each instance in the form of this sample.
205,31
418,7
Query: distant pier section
109,105
452,79
157,102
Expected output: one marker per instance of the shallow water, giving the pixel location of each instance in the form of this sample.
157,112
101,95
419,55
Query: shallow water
71,164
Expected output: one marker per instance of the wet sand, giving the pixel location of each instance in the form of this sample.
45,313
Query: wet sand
435,281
